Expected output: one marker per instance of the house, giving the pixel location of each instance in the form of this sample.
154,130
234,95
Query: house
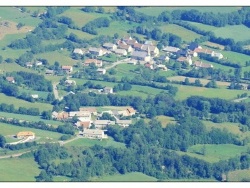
38,63
101,71
194,45
108,90
126,47
78,51
204,51
162,67
152,50
83,114
94,134
100,124
171,49
137,46
202,65
10,79
121,52
60,115
96,51
148,65
83,124
25,134
139,55
182,53
193,53
127,112
129,41
34,96
148,42
29,64
185,60
109,46
218,55
163,58
124,123
97,62
67,69
132,61
70,82
90,110
49,72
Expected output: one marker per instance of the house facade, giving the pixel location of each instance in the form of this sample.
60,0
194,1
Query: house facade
94,134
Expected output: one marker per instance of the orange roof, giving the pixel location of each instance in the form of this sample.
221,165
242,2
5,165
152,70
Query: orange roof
66,67
181,59
10,78
85,124
131,110
25,133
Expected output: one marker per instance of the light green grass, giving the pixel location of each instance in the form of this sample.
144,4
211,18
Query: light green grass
236,57
10,67
13,14
218,66
79,17
185,34
18,170
218,152
62,57
60,179
165,120
30,118
41,94
85,142
81,34
155,11
238,175
128,177
53,41
8,129
21,103
187,91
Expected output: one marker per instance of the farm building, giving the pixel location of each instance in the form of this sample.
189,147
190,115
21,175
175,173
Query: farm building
67,69
96,51
101,71
97,62
89,109
94,134
100,124
78,51
108,90
25,134
109,46
10,79
124,123
138,55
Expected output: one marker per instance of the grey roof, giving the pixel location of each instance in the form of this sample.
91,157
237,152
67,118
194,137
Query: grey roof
120,51
92,49
171,49
139,54
108,45
124,121
104,122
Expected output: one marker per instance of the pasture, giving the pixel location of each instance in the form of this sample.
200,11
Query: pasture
30,118
238,175
236,57
41,135
18,170
187,91
165,120
11,67
185,34
128,177
22,103
85,142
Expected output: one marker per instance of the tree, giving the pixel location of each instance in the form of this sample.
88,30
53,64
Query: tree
2,141
44,177
1,59
20,25
46,115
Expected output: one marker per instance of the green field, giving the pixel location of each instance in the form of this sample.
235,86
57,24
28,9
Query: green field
165,120
236,57
41,94
22,103
155,11
187,91
185,34
8,129
128,177
238,175
85,142
215,153
18,170
30,118
10,67
13,14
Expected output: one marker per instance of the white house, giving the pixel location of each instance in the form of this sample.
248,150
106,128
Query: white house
124,123
108,90
100,124
110,46
96,51
101,71
94,134
67,69
139,55
78,51
121,52
218,55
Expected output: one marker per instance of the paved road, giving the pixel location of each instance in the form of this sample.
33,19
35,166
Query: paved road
117,63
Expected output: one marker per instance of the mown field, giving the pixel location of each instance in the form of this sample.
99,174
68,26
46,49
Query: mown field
85,142
41,135
10,67
18,170
128,177
238,175
30,118
185,34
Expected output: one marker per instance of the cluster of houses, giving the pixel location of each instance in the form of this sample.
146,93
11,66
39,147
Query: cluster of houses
87,118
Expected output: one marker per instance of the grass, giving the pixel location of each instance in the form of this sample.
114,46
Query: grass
13,14
18,170
62,57
185,34
214,152
30,118
11,67
187,91
41,94
155,11
236,57
128,177
85,142
8,129
21,103
165,120
238,175
79,17
81,34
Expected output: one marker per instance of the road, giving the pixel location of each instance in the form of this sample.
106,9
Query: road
14,155
117,63
56,91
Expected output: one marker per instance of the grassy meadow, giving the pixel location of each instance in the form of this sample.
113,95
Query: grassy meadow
18,170
238,175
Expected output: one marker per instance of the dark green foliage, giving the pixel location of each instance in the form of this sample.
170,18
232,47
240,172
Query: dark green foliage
21,145
2,141
97,23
